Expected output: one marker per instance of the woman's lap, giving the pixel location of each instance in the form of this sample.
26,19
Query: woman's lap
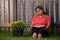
37,30
41,30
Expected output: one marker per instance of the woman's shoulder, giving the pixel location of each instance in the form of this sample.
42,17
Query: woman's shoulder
47,17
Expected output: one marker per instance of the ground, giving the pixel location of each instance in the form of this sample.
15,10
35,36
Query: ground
7,35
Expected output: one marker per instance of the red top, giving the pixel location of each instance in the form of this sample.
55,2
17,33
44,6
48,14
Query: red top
37,21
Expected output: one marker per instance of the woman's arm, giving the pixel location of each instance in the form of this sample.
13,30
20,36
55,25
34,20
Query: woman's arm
48,24
31,25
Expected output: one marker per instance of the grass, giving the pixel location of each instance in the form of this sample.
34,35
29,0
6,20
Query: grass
7,35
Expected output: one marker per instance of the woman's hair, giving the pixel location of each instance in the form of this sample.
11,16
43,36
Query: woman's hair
40,7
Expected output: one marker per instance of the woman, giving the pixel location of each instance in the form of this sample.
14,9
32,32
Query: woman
40,22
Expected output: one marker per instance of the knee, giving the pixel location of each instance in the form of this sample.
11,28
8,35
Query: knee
34,35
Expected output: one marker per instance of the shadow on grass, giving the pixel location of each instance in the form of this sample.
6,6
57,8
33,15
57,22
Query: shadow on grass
27,34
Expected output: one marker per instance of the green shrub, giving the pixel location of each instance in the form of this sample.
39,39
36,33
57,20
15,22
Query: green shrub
18,25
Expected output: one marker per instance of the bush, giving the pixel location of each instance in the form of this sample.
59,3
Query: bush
18,25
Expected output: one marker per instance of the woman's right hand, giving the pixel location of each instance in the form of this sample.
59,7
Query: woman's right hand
30,27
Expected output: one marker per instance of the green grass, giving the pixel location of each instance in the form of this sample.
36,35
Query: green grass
7,35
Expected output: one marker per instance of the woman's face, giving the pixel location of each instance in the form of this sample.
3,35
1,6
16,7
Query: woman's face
39,11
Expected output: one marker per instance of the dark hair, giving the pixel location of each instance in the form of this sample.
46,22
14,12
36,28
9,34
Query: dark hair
40,7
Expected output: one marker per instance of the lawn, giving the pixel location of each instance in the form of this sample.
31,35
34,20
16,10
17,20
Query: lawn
7,35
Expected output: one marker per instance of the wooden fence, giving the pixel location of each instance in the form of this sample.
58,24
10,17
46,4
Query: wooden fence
12,10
